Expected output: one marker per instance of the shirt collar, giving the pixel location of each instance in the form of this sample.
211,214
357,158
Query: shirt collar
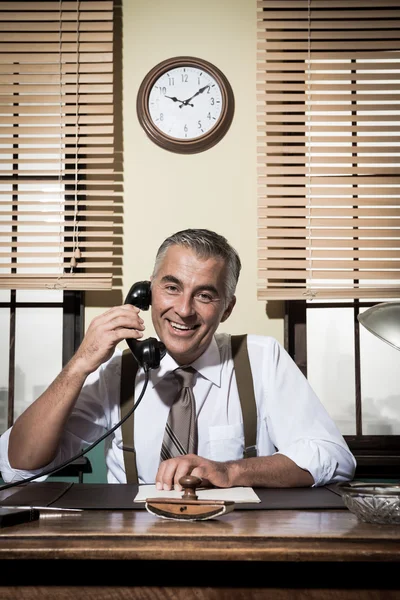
208,365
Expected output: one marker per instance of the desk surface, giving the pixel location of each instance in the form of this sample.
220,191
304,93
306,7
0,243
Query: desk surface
277,535
126,554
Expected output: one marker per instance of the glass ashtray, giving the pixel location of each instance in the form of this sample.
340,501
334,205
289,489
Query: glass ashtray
373,502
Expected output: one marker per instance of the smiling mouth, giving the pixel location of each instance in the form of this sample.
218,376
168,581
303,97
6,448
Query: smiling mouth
181,327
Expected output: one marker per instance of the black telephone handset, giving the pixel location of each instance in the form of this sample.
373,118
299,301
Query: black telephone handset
148,353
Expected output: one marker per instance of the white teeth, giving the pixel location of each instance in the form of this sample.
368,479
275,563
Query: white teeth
179,326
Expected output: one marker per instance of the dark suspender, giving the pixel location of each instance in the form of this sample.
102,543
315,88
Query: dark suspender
246,394
129,369
244,381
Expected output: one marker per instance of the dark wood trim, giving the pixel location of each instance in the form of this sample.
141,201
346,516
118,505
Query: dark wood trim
131,578
11,361
357,367
73,331
377,456
73,323
295,332
379,445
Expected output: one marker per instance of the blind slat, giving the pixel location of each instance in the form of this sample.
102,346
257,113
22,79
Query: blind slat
59,14
320,254
89,57
351,266
325,233
265,244
78,281
56,68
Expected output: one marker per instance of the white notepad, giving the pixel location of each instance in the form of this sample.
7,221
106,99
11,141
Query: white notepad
234,494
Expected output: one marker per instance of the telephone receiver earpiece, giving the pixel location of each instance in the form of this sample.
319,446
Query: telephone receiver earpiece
148,353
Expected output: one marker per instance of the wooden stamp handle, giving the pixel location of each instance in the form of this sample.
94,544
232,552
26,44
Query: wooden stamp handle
189,484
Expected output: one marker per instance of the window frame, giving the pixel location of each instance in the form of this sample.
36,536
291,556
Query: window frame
72,332
377,456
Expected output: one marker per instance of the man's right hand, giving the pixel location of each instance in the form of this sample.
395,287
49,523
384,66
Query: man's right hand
105,332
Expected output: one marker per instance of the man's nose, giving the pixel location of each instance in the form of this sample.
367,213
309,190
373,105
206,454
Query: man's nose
185,305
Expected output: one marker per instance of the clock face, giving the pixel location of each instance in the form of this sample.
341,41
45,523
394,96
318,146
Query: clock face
185,105
185,102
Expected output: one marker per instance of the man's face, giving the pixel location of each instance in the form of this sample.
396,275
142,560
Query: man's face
188,302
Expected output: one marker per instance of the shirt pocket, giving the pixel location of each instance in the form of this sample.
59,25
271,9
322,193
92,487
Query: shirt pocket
226,442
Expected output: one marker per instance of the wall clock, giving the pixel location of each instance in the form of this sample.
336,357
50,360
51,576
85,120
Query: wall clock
185,105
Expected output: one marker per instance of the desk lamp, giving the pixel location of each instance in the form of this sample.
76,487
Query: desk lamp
377,503
383,320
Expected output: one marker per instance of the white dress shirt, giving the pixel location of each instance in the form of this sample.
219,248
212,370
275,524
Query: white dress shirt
291,419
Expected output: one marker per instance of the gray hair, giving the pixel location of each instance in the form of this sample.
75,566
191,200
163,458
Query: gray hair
205,244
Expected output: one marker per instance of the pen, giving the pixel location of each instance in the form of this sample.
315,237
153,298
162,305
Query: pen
49,508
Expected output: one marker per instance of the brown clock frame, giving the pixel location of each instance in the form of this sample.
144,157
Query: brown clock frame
209,139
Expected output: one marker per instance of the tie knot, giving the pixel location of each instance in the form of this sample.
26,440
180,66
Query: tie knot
185,376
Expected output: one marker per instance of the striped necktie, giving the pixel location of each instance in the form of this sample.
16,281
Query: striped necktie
180,436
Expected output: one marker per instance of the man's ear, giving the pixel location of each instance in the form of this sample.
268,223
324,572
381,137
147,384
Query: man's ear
228,309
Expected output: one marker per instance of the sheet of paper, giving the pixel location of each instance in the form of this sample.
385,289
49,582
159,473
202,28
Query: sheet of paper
235,494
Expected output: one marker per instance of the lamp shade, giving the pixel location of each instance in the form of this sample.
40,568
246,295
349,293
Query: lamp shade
383,320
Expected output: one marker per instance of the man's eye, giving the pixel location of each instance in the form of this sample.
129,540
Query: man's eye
172,289
206,298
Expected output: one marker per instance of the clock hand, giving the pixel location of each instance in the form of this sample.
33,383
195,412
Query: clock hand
183,102
201,90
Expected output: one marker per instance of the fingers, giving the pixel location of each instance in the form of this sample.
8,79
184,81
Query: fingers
170,471
106,331
119,317
212,473
118,323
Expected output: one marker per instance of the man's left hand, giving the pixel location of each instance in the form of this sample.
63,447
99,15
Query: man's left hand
211,472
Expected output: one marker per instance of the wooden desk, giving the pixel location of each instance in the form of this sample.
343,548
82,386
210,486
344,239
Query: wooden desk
280,554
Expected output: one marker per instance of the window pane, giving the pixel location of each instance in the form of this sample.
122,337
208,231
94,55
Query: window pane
38,353
39,295
380,385
4,356
330,363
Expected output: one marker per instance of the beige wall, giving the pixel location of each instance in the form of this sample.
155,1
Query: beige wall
216,189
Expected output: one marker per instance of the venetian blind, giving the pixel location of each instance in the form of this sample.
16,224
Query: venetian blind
60,170
328,100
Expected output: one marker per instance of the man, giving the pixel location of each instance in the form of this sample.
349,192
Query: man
193,291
